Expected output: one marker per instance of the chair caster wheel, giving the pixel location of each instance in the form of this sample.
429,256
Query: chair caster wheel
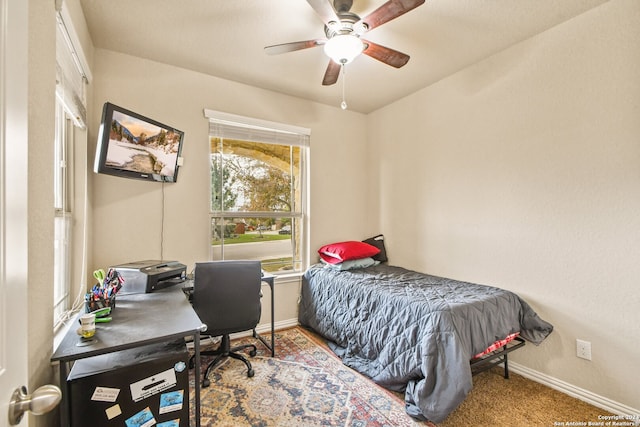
206,383
253,353
250,373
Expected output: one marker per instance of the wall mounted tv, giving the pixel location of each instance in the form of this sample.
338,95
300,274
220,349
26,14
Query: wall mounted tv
134,146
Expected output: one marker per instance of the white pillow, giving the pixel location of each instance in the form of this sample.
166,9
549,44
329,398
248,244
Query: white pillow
351,264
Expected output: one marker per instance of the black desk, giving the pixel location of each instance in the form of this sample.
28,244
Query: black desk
138,320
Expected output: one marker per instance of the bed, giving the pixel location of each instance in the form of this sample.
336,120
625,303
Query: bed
412,332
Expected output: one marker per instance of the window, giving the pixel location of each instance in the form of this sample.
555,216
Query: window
71,79
258,192
62,180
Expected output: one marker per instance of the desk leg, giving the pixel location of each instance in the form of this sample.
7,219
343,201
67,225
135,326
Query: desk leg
196,348
271,347
64,405
273,335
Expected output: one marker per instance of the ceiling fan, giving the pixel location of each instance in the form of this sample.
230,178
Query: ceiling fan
344,30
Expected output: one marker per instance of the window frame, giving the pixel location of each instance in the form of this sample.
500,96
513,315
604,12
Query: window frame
73,74
230,126
63,213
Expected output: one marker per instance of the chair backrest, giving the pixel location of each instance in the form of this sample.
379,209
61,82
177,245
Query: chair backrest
226,295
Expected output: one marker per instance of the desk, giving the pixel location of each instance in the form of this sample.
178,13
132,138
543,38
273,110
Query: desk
138,320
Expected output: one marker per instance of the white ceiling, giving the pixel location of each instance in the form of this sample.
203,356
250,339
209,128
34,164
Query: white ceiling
225,38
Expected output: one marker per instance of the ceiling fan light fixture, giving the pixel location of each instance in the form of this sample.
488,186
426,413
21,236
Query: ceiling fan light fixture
343,48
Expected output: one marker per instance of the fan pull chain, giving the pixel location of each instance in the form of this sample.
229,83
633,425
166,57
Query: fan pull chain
343,105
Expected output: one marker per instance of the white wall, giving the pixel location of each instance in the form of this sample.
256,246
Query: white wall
41,93
128,213
523,171
41,72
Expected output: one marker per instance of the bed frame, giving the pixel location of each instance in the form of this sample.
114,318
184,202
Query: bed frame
496,357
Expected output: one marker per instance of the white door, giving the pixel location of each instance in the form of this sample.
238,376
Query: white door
13,201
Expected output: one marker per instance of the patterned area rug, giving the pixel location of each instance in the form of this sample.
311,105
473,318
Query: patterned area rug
304,385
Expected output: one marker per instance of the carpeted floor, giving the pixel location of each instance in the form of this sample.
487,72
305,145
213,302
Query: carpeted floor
304,385
307,385
519,402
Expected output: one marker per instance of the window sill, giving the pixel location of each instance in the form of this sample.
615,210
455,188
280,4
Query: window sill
288,277
59,334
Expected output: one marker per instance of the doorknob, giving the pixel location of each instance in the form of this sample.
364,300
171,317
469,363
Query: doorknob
41,401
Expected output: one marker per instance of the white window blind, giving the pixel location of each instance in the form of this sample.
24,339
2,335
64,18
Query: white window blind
230,126
70,74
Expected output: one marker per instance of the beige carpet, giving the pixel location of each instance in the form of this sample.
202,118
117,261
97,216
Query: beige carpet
518,401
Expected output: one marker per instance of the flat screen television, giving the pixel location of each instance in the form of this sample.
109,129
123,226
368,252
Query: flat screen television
134,146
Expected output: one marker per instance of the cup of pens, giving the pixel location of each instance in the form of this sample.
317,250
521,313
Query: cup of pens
103,294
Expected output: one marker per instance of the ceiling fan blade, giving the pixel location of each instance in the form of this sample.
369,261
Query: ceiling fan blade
332,73
384,54
293,46
325,10
388,11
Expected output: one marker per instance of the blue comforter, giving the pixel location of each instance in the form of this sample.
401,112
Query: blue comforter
413,332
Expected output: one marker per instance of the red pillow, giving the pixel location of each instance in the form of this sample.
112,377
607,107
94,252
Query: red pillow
344,251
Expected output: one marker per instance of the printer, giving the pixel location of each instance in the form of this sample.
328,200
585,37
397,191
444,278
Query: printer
147,276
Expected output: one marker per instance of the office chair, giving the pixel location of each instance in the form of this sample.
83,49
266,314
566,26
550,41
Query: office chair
226,297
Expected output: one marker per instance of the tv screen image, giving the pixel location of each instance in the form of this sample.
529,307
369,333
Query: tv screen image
134,146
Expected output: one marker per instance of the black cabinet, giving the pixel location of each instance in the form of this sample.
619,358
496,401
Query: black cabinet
143,386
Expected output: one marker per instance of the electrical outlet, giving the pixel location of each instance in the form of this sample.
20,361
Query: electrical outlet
583,349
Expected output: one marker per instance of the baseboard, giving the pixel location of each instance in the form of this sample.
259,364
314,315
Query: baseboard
264,329
577,392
